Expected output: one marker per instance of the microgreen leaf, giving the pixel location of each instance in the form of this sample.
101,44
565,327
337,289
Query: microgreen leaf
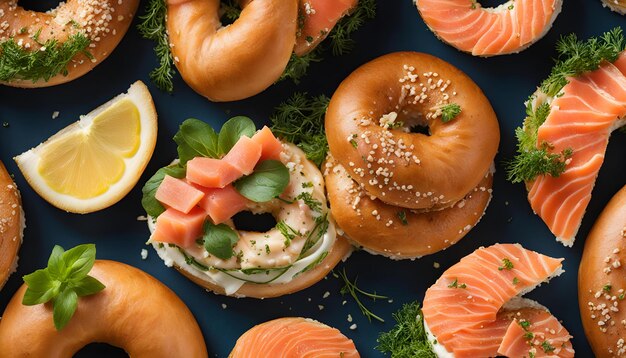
269,179
150,204
234,129
219,240
196,138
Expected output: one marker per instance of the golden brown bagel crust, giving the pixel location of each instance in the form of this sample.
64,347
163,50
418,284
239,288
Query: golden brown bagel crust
439,169
601,274
11,224
234,62
67,19
135,312
385,234
339,251
618,6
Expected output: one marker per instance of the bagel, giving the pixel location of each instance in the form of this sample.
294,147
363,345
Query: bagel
412,170
135,312
601,282
266,264
11,225
100,25
508,28
397,232
618,6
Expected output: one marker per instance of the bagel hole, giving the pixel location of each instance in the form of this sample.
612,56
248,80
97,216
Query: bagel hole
39,5
247,221
420,128
100,350
229,11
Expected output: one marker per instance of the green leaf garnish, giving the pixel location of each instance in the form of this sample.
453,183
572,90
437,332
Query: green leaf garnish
196,138
149,202
528,165
354,291
234,129
402,216
450,112
153,27
310,201
288,232
408,338
63,281
219,240
19,63
298,66
300,120
506,265
269,179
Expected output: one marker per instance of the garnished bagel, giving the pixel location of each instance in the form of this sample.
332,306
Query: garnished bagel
368,126
116,304
618,6
601,281
398,232
11,225
45,49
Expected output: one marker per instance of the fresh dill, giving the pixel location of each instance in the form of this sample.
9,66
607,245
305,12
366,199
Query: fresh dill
450,112
310,201
288,232
51,59
607,287
298,66
408,338
353,290
300,120
153,27
506,265
456,284
547,347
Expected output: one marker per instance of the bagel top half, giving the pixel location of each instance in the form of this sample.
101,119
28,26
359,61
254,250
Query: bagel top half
11,225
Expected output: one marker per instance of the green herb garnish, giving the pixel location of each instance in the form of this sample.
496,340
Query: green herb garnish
219,240
18,63
506,265
607,287
300,120
354,291
455,284
64,280
234,129
450,112
196,138
525,324
529,335
515,280
547,347
153,27
408,338
287,231
309,201
269,179
402,216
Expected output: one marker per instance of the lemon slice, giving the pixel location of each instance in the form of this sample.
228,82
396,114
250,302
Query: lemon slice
93,163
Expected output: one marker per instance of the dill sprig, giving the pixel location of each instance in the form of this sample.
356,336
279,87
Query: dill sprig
153,27
576,57
300,120
298,66
18,63
450,112
408,338
351,288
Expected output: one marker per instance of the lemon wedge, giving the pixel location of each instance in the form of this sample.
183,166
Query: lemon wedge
93,163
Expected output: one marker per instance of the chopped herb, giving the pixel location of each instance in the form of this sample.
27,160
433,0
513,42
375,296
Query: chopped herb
607,287
515,280
529,335
309,201
525,324
287,231
506,264
307,184
450,112
407,339
473,5
531,354
455,284
511,7
621,296
267,249
354,291
230,9
547,347
354,143
402,216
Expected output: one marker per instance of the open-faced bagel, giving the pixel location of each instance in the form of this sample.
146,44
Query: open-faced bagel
101,23
135,312
367,126
11,225
602,283
395,231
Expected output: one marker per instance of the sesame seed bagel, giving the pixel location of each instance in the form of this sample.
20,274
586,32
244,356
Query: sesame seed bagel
135,312
602,283
237,61
11,225
368,122
397,232
101,23
618,6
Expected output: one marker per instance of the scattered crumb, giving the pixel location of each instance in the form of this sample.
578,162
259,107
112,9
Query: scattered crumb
224,306
326,294
144,254
55,114
321,307
349,318
142,218
436,265
353,326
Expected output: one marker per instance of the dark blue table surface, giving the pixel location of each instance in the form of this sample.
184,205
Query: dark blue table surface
506,80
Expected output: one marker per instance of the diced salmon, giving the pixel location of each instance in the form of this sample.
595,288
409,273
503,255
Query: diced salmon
178,194
544,332
211,173
175,227
222,204
318,19
270,145
244,155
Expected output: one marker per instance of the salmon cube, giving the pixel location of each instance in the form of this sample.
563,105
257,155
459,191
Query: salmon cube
175,227
222,204
270,145
178,194
244,155
211,173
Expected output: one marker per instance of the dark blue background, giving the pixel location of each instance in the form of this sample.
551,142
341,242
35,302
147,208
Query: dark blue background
506,80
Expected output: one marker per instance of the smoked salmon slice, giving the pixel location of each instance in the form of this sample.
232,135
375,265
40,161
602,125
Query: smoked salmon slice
508,28
211,173
293,337
244,155
581,119
316,19
174,227
271,147
178,194
222,204
467,311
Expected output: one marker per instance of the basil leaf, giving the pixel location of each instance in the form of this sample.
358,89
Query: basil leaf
88,286
64,307
148,201
79,261
195,139
234,129
56,265
219,240
41,288
269,179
